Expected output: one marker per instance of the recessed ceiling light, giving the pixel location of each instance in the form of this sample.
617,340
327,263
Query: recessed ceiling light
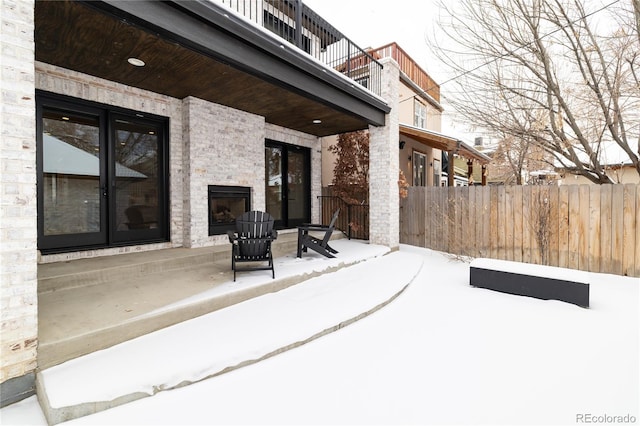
136,62
317,121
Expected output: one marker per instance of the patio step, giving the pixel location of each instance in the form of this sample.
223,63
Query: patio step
91,304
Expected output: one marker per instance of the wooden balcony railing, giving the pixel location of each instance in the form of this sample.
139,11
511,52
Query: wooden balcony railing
409,67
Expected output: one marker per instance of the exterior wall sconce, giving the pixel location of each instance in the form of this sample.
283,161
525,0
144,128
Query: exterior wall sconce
402,144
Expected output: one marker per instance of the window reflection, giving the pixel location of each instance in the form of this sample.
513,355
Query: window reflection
136,171
71,170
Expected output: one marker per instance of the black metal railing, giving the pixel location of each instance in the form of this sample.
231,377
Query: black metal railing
307,30
353,219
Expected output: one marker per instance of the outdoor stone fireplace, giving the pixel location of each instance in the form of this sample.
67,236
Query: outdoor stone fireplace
225,204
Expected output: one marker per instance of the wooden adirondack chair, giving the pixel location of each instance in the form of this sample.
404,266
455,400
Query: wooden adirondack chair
317,244
251,242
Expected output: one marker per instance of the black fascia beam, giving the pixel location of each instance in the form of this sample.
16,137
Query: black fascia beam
214,31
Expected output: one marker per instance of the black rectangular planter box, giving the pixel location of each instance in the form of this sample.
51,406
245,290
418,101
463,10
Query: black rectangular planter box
549,284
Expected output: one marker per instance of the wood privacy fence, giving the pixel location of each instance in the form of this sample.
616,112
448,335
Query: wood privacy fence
593,228
353,219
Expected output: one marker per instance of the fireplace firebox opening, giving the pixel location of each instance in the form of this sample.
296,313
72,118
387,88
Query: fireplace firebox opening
225,204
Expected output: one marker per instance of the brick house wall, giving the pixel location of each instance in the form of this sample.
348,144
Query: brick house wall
58,80
209,145
226,150
223,146
18,230
230,150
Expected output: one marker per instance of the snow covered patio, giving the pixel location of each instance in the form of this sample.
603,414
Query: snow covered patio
243,334
441,352
90,304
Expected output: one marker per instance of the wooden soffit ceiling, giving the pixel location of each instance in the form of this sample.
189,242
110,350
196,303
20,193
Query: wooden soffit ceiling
97,38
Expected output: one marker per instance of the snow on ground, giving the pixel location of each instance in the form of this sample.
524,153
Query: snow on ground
232,336
441,353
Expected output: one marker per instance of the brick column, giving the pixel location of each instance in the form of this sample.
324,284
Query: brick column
212,134
18,212
384,169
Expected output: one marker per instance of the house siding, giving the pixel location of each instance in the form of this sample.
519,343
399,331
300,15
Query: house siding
18,231
408,93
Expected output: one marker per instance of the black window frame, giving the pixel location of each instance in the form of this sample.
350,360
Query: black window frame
75,242
286,222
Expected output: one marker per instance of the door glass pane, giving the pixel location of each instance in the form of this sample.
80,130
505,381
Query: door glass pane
273,179
297,186
136,176
71,171
419,169
436,172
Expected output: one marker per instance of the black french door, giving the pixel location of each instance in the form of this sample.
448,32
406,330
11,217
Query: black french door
102,176
288,183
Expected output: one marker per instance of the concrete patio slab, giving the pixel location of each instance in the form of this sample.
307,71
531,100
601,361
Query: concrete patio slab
319,304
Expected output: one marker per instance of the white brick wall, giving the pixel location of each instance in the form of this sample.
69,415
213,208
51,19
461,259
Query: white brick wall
225,146
384,198
18,231
209,144
82,86
222,146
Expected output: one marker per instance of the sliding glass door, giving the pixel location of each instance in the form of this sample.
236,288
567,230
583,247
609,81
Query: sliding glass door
101,176
137,202
288,183
72,209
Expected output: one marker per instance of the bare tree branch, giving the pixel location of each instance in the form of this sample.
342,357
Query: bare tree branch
542,73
